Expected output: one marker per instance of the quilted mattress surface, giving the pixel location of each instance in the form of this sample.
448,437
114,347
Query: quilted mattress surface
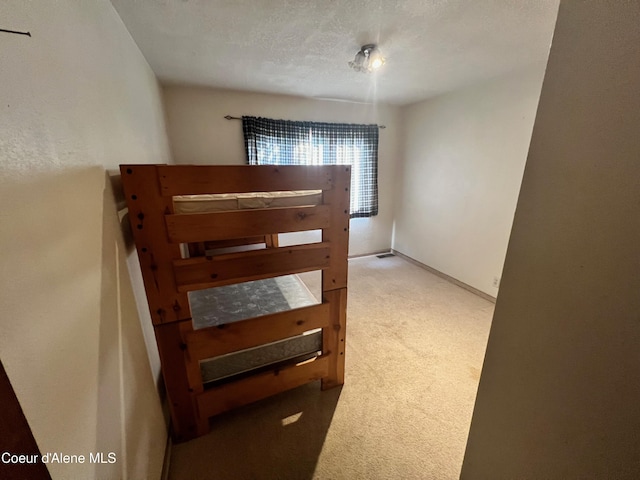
239,201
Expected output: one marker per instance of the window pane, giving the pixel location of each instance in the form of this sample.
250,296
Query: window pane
284,142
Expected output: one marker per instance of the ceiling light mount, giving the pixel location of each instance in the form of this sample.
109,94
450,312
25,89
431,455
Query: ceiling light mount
368,59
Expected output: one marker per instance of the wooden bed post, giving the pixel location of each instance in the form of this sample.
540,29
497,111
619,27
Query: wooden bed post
187,424
334,278
337,234
333,338
147,208
168,307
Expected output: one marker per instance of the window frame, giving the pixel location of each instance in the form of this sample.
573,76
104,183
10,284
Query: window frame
288,142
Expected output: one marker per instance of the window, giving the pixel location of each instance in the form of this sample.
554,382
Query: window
285,142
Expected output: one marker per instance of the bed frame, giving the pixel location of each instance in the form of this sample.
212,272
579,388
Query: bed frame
158,234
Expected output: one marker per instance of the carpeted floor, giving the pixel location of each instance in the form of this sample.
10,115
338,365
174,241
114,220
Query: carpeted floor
415,345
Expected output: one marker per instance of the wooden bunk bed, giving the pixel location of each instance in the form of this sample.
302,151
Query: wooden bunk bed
222,362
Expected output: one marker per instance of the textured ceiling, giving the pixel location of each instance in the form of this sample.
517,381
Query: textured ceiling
302,47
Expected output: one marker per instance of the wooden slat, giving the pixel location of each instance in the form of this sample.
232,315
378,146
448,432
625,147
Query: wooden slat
196,249
334,337
199,249
272,240
206,272
185,422
199,179
235,242
337,234
245,223
214,341
257,387
147,209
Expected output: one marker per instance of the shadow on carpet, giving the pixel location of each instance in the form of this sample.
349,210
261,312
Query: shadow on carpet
277,438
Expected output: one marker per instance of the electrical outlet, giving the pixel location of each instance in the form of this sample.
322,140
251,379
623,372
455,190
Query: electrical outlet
496,282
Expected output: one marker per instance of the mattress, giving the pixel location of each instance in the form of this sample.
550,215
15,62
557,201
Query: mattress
231,366
239,201
233,303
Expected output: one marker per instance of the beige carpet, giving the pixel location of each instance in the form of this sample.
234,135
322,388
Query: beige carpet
415,345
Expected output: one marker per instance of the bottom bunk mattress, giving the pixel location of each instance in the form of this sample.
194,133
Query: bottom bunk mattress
232,303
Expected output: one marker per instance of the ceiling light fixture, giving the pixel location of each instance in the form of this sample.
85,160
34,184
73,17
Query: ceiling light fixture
367,59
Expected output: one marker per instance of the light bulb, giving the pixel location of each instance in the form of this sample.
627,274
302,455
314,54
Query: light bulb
367,59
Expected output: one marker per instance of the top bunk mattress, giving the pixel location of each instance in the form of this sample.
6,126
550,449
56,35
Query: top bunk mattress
239,201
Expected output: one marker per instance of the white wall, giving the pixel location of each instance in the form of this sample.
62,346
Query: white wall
199,134
560,390
78,98
464,154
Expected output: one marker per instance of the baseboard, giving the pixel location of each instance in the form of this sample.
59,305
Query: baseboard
446,277
370,254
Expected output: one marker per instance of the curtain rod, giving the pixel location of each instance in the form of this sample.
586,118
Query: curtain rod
229,117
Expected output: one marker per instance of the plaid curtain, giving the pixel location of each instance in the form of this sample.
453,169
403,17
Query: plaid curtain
285,142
